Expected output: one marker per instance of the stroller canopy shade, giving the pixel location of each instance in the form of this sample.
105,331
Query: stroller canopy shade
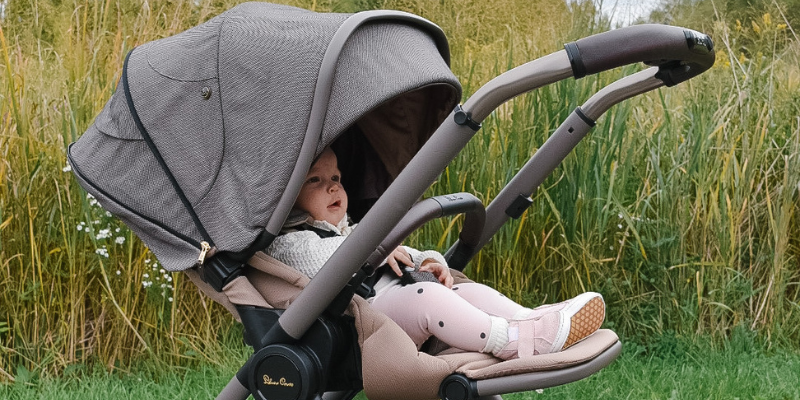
209,130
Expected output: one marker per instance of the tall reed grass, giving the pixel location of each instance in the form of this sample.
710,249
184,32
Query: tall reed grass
681,207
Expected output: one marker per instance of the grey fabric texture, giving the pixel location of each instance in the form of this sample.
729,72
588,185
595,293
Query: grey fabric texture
227,104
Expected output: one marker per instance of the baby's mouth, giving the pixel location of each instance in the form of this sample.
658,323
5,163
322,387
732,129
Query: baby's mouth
336,204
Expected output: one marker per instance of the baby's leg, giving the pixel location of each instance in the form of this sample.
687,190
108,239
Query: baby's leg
490,301
424,309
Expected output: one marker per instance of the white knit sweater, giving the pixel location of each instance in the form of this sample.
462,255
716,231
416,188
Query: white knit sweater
306,252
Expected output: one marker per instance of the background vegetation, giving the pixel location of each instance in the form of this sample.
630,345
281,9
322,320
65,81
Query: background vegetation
681,207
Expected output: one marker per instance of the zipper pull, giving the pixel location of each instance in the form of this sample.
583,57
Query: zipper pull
204,248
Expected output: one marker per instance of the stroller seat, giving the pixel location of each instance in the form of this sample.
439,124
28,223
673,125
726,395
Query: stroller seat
384,346
204,146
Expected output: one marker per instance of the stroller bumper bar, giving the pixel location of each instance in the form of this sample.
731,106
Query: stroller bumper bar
432,208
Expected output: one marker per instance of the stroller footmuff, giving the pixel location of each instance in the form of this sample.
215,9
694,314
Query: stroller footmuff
204,147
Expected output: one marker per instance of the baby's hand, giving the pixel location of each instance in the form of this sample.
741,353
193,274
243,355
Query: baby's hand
399,254
440,271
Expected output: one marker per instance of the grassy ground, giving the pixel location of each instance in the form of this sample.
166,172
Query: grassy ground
667,369
703,375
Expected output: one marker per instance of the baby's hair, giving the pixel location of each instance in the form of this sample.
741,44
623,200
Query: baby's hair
314,161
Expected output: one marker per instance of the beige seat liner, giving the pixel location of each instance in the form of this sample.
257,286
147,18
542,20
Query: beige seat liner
392,366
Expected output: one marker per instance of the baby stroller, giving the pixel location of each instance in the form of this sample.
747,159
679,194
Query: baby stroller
204,146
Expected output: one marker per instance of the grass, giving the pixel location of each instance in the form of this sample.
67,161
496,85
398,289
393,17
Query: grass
695,374
681,207
203,383
671,368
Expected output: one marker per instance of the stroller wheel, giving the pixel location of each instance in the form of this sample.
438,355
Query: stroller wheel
283,371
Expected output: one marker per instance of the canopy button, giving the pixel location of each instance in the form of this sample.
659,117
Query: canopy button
206,92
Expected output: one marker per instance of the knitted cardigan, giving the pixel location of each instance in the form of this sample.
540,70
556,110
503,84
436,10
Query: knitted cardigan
307,252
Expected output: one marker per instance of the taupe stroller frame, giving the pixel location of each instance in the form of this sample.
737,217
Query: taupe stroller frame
204,147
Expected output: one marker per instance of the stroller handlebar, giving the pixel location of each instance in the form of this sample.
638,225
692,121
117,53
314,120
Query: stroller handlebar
679,53
659,45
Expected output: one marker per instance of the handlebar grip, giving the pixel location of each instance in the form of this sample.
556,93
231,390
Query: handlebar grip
662,45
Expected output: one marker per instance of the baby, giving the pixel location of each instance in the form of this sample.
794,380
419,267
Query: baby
468,316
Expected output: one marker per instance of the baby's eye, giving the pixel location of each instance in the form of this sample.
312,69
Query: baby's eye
335,178
313,179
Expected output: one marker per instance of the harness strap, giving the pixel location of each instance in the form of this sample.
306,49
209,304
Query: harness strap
365,288
322,233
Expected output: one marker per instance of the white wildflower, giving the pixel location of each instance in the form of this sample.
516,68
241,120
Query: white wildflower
120,240
68,168
146,276
103,234
170,299
619,226
119,272
102,251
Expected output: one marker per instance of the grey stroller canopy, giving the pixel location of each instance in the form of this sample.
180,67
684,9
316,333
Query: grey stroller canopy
210,132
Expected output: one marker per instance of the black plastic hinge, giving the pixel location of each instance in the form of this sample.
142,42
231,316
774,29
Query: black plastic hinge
220,270
520,204
575,60
462,117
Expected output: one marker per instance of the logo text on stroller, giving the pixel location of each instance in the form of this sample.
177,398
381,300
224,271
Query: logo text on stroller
280,382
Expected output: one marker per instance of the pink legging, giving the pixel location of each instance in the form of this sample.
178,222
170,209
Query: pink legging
459,316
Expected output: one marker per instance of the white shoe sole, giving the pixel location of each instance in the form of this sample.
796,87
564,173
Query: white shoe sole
579,319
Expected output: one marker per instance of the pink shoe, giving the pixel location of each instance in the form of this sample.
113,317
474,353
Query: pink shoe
538,312
556,330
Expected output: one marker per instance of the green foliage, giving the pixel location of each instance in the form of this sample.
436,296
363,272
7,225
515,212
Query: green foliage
681,207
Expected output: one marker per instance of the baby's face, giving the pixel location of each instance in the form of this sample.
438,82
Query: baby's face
322,195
